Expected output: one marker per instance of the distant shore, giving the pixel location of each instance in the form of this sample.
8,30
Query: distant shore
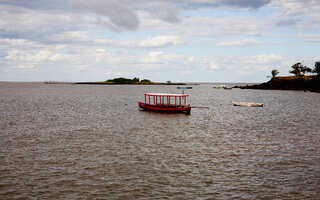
139,83
305,83
128,81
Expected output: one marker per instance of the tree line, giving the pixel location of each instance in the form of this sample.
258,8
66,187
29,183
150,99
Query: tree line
122,80
300,70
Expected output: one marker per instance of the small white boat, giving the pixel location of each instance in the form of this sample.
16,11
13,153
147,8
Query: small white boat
219,86
247,104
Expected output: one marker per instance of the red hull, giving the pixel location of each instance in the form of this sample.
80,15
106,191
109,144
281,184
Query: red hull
165,108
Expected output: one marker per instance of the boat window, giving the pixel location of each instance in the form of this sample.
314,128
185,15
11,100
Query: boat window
167,100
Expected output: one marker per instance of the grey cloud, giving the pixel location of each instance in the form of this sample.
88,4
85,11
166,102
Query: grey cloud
37,4
119,14
248,4
167,13
19,23
252,4
122,15
288,22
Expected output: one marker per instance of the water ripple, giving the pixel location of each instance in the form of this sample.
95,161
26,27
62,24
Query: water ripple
91,142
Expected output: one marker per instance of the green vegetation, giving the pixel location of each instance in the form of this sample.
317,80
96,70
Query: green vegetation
122,80
299,70
297,82
274,73
306,83
316,68
145,81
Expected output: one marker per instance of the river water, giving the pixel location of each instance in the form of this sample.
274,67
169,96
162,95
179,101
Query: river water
64,141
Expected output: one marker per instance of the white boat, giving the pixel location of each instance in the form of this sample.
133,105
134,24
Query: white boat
219,86
247,104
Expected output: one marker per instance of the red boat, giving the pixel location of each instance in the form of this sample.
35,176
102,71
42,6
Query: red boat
160,102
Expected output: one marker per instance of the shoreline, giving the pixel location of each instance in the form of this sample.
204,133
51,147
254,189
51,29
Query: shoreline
110,83
304,83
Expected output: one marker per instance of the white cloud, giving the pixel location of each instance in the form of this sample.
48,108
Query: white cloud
83,67
213,65
309,37
161,41
160,61
244,42
21,20
70,37
32,57
17,42
80,37
24,66
244,72
303,15
158,57
263,59
153,57
235,63
224,27
103,56
186,72
295,7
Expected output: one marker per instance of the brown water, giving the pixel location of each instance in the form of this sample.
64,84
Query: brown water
61,141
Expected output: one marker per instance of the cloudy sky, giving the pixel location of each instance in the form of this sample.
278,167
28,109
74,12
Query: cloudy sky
160,40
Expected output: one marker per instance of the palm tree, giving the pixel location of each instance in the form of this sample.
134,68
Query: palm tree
274,73
316,68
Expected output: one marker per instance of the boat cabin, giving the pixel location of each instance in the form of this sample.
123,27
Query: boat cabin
165,99
165,102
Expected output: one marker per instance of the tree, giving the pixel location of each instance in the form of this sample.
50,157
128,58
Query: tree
135,80
122,80
274,73
316,68
299,70
145,81
305,70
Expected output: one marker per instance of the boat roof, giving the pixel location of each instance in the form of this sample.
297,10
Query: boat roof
167,95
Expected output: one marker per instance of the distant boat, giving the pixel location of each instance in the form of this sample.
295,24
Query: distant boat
247,104
161,102
219,86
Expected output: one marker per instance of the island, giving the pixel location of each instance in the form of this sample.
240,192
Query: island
305,83
298,82
128,81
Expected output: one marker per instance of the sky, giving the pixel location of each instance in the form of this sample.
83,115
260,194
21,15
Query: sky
160,40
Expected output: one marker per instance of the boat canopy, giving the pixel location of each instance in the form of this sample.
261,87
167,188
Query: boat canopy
165,99
166,95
